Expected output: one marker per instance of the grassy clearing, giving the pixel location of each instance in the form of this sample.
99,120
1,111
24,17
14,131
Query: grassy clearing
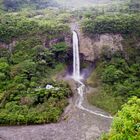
59,69
105,101
100,98
93,79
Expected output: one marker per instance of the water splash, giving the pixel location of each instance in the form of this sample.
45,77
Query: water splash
77,77
76,60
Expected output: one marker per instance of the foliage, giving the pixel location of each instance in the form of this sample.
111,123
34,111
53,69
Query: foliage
16,5
134,5
107,102
126,124
60,50
34,105
13,27
120,78
120,23
27,66
117,76
24,99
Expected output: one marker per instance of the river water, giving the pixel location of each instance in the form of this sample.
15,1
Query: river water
77,77
80,120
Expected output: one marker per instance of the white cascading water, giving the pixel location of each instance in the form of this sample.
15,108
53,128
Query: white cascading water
76,60
77,76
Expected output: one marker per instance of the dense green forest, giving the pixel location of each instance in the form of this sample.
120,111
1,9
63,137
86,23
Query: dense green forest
35,48
27,67
124,24
117,74
126,124
16,5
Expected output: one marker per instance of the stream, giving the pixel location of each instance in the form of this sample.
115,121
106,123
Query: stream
77,123
77,77
80,120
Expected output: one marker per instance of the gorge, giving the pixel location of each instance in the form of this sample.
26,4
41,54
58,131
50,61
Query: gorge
80,121
77,77
69,70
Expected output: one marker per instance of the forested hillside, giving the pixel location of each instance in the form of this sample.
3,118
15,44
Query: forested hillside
16,5
117,75
27,66
36,57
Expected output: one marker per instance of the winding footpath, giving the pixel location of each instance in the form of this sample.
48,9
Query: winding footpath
80,121
76,124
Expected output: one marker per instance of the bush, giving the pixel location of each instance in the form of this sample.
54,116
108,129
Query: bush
117,24
26,67
126,124
13,27
111,75
37,106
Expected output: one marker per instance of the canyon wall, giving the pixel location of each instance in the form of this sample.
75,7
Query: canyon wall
91,49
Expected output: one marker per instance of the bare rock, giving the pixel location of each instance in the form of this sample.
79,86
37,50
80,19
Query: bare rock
92,48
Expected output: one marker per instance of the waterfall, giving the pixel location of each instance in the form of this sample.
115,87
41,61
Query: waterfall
76,60
77,77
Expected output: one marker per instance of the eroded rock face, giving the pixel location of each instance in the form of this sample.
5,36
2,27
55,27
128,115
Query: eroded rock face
92,48
47,43
3,45
8,46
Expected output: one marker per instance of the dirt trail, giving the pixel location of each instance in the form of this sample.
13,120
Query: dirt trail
75,125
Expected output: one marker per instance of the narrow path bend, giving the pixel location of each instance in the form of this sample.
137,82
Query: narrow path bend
77,124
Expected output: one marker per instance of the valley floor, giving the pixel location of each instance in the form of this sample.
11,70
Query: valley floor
76,124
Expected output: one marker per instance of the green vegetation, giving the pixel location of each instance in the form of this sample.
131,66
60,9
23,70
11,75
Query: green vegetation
33,53
126,125
116,78
134,5
14,27
117,73
16,5
30,105
105,101
122,23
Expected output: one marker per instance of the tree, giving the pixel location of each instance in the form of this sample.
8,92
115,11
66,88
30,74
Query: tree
126,124
112,75
134,5
60,51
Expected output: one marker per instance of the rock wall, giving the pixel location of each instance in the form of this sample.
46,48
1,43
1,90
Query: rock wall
91,49
8,46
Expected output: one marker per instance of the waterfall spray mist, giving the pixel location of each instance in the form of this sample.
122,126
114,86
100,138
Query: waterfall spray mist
77,77
76,60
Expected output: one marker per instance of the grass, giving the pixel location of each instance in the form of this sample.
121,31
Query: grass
105,101
93,79
59,69
100,98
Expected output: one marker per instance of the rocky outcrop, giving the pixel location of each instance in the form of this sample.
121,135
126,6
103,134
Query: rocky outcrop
47,43
3,45
8,46
91,49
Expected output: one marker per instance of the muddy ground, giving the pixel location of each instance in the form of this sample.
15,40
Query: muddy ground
75,124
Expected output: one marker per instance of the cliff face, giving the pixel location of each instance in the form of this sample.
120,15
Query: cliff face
91,49
8,46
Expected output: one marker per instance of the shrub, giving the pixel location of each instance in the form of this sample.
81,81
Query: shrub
126,124
117,24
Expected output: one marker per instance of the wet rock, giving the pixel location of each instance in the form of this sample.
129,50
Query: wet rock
92,48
